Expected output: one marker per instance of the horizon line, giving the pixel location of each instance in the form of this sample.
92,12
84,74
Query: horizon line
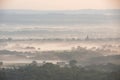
54,10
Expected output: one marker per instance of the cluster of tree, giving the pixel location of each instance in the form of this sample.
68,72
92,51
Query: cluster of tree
50,71
75,53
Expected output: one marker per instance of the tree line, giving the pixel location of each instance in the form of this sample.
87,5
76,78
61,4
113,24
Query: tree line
51,71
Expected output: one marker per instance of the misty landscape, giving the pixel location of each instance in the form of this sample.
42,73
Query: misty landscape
60,45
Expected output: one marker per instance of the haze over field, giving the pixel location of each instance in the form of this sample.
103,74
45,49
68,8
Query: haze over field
55,28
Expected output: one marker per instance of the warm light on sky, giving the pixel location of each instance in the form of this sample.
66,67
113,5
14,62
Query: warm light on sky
59,4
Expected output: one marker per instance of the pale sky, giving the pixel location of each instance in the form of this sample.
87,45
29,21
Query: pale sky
59,4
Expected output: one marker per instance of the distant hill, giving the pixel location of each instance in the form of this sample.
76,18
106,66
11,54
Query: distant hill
59,17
